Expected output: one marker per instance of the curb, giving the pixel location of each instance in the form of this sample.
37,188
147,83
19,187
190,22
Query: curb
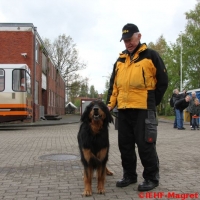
36,125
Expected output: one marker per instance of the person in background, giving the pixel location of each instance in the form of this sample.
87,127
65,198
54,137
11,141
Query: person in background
189,108
180,105
137,85
195,114
174,97
180,95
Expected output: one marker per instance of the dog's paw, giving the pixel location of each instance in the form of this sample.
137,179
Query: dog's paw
108,172
101,190
87,193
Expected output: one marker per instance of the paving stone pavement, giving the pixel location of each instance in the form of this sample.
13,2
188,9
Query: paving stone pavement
27,170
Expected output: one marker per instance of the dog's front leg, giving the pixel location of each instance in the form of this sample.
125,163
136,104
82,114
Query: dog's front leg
88,173
101,171
101,174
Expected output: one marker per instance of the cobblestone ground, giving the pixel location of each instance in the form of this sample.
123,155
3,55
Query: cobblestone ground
27,172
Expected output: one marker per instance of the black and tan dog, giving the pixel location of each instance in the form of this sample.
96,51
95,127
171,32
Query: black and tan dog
93,140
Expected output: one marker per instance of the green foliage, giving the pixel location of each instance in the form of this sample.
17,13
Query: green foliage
77,103
191,51
65,56
74,90
188,40
83,90
105,93
93,93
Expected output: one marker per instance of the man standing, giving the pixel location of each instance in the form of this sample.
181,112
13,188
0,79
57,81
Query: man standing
174,96
180,105
178,112
191,104
137,85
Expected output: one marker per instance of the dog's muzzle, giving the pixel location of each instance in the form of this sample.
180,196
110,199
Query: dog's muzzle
96,115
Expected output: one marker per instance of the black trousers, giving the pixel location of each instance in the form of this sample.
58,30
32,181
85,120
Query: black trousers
190,119
131,131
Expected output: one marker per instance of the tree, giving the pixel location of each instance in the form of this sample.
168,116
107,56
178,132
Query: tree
191,51
185,47
164,50
160,45
65,56
105,93
74,91
93,93
77,103
84,89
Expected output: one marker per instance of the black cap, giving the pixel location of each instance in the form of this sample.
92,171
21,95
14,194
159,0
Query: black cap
128,30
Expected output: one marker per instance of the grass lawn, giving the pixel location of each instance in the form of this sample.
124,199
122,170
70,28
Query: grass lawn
166,117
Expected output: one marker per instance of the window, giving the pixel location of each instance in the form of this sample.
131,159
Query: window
2,80
49,98
36,92
19,80
36,51
28,82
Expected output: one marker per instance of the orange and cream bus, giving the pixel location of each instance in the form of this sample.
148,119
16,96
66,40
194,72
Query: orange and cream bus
15,92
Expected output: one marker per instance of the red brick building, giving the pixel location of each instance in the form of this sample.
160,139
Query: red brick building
21,43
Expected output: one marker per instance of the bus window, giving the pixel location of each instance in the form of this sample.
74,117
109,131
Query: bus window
2,80
28,82
19,80
23,84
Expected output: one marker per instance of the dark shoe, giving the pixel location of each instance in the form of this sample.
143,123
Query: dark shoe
180,129
125,182
148,185
183,128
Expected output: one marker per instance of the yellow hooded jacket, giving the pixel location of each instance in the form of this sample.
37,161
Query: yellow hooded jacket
139,82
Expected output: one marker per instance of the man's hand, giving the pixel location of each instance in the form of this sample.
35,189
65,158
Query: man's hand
109,108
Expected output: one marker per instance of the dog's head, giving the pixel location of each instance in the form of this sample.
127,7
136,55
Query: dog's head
95,112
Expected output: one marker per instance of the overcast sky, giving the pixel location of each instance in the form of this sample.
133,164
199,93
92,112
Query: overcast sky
95,25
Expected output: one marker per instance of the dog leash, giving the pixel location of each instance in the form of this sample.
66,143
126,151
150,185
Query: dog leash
114,114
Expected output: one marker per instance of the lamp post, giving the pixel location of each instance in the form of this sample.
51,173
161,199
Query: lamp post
181,67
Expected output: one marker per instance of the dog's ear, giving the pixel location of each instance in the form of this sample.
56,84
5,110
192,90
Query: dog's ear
85,115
